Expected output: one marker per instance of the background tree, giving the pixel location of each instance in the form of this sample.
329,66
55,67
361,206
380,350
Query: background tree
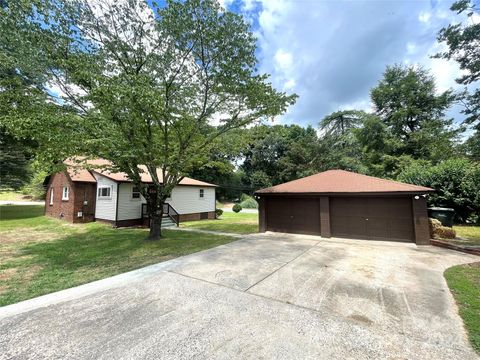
405,100
339,123
457,182
463,42
146,84
221,169
277,154
337,146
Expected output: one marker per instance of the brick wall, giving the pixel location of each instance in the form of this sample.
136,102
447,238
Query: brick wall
68,209
84,201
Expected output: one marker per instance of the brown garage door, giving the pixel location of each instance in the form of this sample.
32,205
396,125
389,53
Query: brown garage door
293,215
372,218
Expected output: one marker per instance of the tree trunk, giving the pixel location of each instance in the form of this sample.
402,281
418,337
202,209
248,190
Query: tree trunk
155,226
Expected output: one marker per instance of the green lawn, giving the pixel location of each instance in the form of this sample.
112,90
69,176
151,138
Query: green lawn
464,282
12,196
39,255
471,234
238,223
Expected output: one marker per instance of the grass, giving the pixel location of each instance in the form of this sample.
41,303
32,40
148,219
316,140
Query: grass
12,196
470,234
464,282
238,223
39,255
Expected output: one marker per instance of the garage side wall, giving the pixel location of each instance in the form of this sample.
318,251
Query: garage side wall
420,220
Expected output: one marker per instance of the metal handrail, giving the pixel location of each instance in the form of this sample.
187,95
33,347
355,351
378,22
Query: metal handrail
171,212
168,210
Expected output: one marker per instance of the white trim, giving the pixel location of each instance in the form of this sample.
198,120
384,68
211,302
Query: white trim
104,197
65,193
51,196
135,192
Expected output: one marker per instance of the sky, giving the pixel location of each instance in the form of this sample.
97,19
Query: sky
332,52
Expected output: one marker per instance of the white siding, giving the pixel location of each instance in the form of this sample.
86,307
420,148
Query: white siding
106,209
186,199
128,208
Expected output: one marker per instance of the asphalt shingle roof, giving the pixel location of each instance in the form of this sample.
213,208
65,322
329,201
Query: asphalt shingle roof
341,181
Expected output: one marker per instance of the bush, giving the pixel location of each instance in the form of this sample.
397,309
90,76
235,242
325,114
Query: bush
457,185
244,197
218,212
237,208
250,203
35,188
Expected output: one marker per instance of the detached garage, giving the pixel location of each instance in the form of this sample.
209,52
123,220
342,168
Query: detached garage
345,204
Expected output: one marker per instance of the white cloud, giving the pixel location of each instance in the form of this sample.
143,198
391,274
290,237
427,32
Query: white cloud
331,53
225,3
424,16
283,60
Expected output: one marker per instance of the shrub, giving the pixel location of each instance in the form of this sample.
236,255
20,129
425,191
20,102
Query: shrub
249,203
35,188
237,208
218,212
457,185
244,197
444,232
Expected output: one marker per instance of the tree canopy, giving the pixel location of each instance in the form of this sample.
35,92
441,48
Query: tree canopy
463,44
144,85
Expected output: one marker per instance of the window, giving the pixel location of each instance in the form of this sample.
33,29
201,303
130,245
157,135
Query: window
51,196
65,193
135,193
104,192
202,193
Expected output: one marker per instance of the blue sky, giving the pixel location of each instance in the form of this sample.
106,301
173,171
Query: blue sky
331,53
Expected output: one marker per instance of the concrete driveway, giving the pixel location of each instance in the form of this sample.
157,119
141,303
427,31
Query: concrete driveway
268,296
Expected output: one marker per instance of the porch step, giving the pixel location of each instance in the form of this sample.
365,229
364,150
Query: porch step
167,222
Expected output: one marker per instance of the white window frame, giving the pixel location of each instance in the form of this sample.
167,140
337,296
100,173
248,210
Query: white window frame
65,194
201,193
136,192
51,196
100,197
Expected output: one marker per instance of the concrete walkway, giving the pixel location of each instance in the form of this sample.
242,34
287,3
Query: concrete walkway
206,231
271,296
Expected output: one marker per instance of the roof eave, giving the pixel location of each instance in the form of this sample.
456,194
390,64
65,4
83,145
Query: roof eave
359,193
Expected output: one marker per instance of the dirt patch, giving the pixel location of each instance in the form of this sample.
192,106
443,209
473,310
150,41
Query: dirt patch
7,274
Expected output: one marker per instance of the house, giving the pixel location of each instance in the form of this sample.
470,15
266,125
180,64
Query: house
347,205
82,195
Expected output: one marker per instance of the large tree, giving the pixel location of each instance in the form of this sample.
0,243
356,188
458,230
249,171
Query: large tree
151,87
279,153
463,45
406,100
339,123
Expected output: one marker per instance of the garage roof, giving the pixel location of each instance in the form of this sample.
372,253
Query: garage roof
343,182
